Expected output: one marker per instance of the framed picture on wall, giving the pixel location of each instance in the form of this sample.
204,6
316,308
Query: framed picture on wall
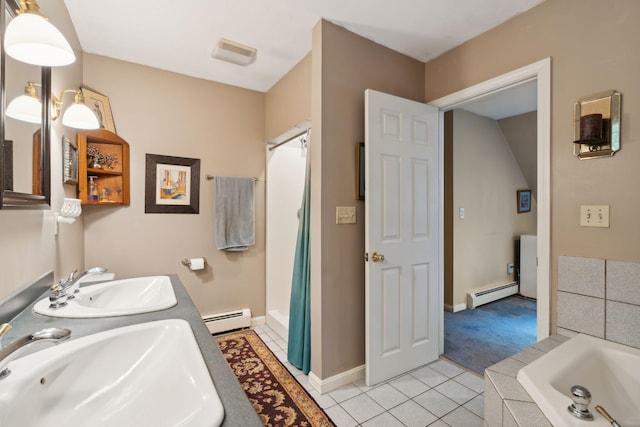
172,184
360,172
524,201
101,107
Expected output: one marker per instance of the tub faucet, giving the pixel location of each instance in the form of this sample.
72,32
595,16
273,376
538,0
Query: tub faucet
11,351
71,285
580,406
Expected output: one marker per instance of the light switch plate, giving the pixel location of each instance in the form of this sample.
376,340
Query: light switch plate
594,216
345,214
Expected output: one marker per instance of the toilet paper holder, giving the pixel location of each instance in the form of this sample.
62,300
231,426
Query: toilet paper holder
187,262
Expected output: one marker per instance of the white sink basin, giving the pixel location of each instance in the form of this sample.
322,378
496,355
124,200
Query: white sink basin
608,370
115,298
150,374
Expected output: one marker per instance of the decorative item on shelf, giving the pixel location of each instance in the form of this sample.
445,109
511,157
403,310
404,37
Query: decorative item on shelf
28,108
93,189
32,39
98,160
597,125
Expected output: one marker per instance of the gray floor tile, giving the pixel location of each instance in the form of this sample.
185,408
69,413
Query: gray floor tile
462,418
383,420
387,396
471,381
476,405
429,376
345,392
446,368
412,414
340,417
456,392
409,385
362,408
436,403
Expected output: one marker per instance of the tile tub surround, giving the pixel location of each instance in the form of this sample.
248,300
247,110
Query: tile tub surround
506,402
238,410
600,298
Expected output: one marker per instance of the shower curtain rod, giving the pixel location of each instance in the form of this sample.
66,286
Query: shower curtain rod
273,147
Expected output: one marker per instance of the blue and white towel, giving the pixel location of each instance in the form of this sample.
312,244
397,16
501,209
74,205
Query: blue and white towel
234,213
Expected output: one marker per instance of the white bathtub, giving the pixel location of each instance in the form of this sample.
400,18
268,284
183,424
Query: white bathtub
610,371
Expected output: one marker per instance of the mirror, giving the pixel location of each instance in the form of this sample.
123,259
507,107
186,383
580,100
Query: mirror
25,151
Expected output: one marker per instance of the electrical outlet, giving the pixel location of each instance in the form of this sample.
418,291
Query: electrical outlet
345,214
594,216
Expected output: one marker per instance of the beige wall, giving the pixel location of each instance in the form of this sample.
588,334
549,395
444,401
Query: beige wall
288,102
592,45
28,246
160,112
343,66
486,178
521,133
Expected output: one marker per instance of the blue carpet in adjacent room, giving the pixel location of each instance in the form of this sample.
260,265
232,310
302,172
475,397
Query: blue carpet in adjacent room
479,338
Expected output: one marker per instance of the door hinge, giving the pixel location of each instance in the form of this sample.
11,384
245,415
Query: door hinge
366,257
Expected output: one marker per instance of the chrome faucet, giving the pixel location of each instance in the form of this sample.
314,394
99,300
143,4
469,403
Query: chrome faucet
71,285
10,352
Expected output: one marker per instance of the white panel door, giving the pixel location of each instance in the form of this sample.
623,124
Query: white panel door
401,235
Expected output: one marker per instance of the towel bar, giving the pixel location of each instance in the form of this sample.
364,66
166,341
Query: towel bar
210,177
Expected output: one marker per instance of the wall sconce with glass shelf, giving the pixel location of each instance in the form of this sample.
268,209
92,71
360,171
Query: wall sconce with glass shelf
596,120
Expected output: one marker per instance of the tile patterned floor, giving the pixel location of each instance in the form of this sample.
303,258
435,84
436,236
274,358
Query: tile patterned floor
440,394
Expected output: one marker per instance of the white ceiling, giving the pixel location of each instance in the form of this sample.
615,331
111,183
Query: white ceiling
180,36
514,101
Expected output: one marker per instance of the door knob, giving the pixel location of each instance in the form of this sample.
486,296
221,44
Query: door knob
376,257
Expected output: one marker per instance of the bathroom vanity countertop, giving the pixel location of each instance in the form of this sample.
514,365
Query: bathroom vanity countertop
238,410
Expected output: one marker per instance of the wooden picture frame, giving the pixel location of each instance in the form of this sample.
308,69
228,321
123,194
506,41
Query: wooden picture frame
100,105
172,184
524,201
69,162
360,172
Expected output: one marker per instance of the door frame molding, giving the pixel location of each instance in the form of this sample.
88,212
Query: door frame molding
539,71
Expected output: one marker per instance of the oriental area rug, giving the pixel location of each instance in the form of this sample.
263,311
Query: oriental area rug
275,394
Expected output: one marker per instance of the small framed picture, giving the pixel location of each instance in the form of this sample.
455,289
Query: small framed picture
101,107
524,201
360,175
69,162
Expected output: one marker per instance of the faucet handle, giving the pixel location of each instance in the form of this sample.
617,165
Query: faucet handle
4,328
72,275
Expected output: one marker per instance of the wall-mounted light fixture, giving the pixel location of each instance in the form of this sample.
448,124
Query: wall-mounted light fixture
596,121
31,38
28,108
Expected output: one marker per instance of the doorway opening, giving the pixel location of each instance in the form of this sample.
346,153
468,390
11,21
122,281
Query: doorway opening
490,159
483,263
285,185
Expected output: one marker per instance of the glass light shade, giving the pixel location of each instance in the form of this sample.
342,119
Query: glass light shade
80,116
32,39
25,108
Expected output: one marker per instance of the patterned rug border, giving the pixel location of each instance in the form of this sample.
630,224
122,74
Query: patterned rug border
300,396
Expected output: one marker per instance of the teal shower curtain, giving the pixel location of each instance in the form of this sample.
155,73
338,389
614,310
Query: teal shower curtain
299,347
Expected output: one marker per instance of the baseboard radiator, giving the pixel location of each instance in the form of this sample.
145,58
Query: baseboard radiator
231,320
484,296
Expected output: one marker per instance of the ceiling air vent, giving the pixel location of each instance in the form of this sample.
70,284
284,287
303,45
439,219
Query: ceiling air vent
237,53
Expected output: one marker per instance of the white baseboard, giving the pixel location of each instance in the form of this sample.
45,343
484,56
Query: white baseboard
455,308
336,381
257,321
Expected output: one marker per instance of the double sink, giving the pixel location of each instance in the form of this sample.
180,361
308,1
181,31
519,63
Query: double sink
150,373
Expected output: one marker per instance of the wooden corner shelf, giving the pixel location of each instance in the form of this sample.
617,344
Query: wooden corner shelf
112,175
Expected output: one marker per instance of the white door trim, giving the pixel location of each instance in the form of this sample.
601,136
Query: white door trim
540,71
